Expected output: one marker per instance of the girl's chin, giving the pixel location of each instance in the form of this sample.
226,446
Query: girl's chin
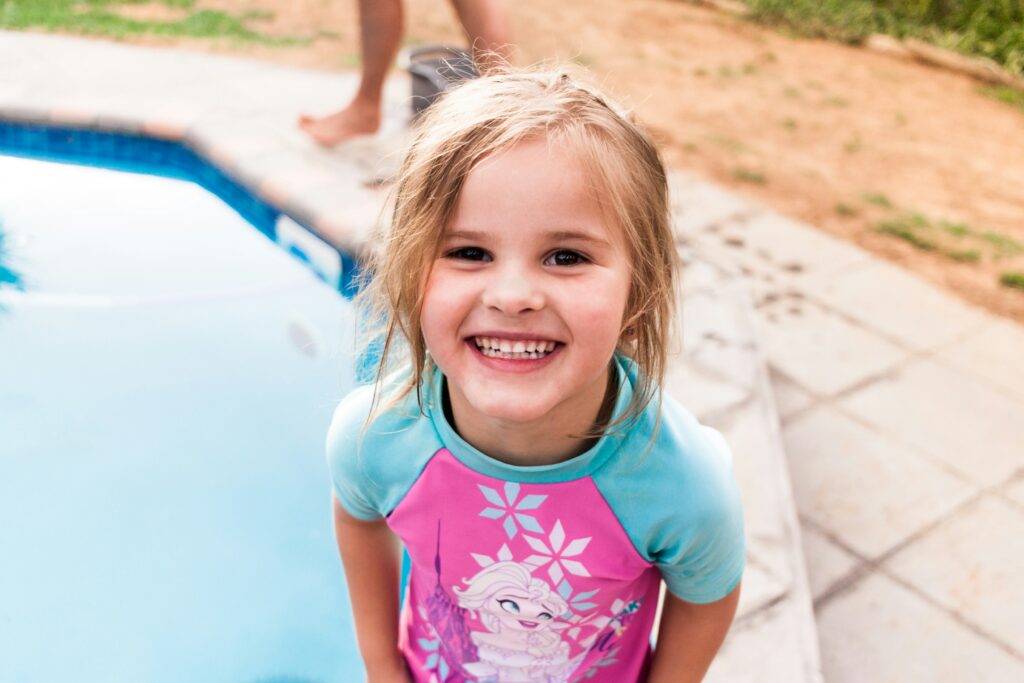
521,414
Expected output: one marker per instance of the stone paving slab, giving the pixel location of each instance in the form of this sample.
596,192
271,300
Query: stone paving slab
897,305
954,418
971,565
827,562
833,481
881,632
993,353
821,350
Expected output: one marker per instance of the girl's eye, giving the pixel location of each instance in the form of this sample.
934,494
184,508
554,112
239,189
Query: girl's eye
509,606
544,615
565,257
468,254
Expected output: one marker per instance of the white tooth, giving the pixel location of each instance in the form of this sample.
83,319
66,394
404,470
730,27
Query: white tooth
492,343
505,347
531,346
518,347
479,341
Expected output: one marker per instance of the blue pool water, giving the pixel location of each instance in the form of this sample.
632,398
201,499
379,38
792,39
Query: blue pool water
167,375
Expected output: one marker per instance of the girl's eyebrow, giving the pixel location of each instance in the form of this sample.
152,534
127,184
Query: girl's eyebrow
556,235
578,236
463,235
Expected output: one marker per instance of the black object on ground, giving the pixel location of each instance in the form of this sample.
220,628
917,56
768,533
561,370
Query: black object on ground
435,69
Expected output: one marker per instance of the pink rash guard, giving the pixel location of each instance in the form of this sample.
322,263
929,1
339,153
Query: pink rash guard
549,573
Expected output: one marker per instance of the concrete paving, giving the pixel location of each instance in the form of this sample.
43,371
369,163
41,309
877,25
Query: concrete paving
882,414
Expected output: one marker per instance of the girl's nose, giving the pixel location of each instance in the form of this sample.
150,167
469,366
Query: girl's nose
512,292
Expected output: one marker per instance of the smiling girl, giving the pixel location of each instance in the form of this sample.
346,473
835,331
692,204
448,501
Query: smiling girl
516,428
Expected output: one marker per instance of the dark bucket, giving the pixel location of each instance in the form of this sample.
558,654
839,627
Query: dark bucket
434,69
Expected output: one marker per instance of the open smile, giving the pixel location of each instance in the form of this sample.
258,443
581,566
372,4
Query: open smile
514,349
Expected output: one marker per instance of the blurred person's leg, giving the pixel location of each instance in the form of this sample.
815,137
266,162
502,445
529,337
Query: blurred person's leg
380,33
487,30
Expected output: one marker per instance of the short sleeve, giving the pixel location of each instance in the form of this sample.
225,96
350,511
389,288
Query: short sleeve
702,551
349,475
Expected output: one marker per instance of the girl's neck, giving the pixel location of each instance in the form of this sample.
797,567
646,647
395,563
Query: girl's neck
558,436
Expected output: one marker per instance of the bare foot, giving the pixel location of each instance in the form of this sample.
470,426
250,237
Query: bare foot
333,129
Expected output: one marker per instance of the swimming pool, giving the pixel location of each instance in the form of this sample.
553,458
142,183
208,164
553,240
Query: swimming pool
167,375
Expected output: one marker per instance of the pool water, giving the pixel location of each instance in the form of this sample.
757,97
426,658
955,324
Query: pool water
167,375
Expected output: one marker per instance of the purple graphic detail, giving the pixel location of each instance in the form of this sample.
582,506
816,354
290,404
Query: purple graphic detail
447,618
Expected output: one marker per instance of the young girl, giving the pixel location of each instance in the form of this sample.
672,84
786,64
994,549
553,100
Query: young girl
516,440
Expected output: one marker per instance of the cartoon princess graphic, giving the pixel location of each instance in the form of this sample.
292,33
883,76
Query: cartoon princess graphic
523,643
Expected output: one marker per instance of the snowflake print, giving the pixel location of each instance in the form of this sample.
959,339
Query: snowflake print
511,511
435,660
557,555
504,555
577,602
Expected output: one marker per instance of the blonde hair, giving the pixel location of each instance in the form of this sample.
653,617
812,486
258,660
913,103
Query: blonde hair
494,113
502,576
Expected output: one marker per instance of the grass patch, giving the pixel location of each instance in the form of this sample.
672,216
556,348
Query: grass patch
955,229
854,144
790,124
907,232
726,142
100,17
1012,279
983,28
1004,246
957,241
964,256
749,176
846,210
877,199
1006,95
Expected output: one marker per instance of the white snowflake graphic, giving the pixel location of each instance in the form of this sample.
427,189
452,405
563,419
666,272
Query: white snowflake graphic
504,555
558,555
511,511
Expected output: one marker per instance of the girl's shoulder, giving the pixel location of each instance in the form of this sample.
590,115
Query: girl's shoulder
672,488
375,450
673,458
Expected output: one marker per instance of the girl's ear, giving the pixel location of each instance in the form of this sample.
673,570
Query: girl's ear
629,332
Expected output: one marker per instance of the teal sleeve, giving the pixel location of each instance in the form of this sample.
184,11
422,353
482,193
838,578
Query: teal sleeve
349,474
703,560
677,500
374,465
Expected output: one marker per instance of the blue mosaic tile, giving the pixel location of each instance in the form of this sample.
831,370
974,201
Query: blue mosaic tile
123,151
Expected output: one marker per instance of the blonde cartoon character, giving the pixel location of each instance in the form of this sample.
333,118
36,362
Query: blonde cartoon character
523,643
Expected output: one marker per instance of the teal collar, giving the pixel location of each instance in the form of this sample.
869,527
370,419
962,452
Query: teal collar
582,465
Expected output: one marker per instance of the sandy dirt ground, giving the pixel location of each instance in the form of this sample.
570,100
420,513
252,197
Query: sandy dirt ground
833,135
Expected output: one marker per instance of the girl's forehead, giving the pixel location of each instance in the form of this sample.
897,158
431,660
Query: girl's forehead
529,191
